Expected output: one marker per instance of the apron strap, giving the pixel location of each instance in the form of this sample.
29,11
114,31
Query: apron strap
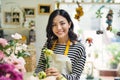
66,49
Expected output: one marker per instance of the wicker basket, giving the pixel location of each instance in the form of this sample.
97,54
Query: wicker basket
30,61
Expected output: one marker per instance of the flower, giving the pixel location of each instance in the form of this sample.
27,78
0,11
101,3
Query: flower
1,55
12,55
3,42
16,36
42,75
79,12
89,40
47,52
8,72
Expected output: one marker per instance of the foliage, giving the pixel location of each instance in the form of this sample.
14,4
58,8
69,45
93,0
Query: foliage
11,58
114,50
89,77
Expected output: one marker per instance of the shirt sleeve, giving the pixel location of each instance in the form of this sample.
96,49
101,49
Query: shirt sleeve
77,64
40,65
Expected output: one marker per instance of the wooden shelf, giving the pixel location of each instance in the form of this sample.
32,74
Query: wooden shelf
14,28
12,18
108,72
105,3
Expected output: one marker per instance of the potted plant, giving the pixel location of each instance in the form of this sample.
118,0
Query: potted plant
114,50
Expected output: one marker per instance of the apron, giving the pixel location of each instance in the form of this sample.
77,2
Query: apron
61,62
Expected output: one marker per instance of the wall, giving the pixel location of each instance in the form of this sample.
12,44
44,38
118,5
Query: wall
40,19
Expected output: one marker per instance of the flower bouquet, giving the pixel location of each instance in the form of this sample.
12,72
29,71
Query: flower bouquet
42,75
11,58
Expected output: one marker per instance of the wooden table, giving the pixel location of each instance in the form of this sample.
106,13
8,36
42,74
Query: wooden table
107,78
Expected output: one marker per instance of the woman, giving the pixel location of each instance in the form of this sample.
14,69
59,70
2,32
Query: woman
63,41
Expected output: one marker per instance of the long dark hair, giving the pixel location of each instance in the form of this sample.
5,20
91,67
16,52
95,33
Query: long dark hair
50,35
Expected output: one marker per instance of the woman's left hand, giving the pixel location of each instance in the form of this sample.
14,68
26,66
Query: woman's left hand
52,72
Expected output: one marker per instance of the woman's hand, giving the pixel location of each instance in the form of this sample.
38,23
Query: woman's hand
52,72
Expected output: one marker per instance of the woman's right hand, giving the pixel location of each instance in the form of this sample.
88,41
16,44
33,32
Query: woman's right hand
52,72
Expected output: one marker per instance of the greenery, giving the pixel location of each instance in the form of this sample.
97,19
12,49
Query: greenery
114,50
89,77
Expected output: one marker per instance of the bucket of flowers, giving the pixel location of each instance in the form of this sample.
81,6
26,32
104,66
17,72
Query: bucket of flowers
11,58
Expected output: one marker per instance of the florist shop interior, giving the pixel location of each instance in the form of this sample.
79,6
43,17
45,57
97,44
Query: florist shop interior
100,36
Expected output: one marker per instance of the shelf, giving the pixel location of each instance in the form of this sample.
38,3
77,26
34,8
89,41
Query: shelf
108,72
12,18
105,3
14,28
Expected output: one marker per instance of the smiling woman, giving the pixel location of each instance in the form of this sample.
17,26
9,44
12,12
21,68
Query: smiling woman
68,51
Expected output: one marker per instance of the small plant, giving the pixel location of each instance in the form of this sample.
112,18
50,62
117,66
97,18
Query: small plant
89,77
114,51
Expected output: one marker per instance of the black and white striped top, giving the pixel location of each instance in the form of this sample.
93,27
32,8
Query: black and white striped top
77,56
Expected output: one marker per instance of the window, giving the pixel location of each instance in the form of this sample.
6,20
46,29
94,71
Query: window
89,24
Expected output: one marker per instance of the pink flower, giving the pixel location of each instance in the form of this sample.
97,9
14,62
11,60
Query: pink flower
4,78
7,72
17,62
12,63
1,55
3,42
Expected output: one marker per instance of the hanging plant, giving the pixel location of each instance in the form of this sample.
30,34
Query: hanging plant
89,40
99,13
118,33
109,20
79,12
58,4
99,32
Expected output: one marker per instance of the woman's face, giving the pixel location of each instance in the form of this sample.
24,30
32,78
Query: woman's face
60,27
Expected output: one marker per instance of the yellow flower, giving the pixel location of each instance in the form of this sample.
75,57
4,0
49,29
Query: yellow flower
23,38
48,52
79,12
41,75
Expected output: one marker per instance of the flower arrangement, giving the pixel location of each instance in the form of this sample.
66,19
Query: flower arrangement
11,58
42,75
47,52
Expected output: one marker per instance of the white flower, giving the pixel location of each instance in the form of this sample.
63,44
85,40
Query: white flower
24,47
16,36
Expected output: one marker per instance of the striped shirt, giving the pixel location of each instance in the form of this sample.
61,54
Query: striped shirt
77,56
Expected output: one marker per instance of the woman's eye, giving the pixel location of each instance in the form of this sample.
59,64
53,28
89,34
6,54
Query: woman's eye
62,23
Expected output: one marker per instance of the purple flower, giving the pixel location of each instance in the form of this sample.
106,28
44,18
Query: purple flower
4,78
8,72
